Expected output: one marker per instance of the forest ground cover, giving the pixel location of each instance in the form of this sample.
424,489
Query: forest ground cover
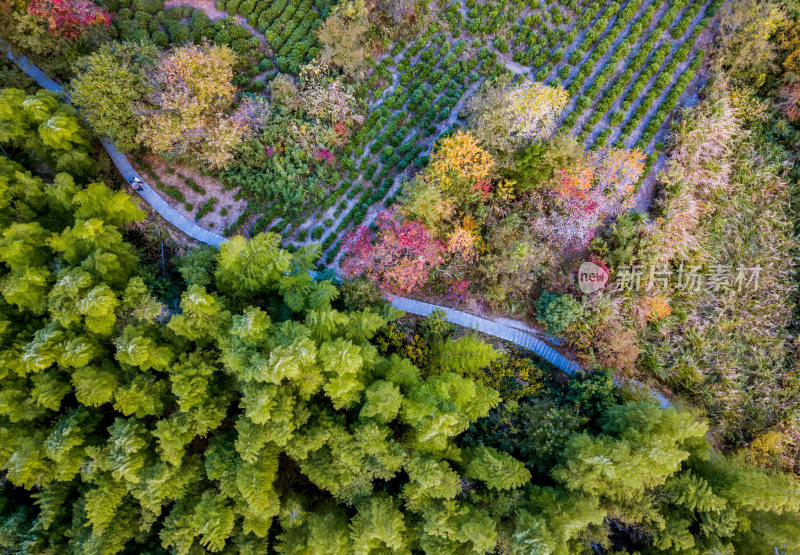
195,195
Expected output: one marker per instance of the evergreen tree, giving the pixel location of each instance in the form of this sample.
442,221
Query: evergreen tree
465,356
496,469
554,520
640,449
379,526
246,268
40,128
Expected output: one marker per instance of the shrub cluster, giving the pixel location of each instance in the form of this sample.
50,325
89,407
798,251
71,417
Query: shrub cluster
205,208
289,27
148,20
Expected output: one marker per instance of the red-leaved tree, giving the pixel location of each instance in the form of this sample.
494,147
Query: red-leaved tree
595,188
398,256
69,18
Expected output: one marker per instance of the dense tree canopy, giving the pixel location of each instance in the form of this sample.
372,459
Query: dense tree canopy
41,128
233,403
258,416
174,102
506,118
109,85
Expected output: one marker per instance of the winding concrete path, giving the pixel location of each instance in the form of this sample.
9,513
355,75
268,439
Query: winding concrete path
514,335
159,204
511,333
490,327
144,190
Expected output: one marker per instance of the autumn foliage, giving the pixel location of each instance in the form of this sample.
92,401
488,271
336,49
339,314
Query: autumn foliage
398,257
459,160
69,18
791,97
533,109
463,241
192,88
598,186
506,118
450,213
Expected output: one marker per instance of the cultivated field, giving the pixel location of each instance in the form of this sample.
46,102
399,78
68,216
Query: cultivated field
626,66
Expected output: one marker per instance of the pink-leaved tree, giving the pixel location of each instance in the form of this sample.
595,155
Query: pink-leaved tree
398,256
69,18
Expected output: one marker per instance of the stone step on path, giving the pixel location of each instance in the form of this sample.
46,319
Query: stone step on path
147,193
502,331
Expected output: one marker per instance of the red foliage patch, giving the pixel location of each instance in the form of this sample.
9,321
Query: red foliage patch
324,156
69,18
398,257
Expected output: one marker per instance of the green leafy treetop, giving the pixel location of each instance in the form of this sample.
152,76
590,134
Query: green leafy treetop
40,128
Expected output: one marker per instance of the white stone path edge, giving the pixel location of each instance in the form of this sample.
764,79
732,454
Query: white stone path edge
508,333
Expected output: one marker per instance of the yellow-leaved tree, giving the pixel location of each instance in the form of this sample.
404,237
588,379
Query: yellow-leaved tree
186,115
459,163
505,118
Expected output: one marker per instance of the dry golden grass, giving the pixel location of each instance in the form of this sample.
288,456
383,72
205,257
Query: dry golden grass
703,151
701,165
725,202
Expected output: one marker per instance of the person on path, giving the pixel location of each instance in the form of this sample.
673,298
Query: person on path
136,183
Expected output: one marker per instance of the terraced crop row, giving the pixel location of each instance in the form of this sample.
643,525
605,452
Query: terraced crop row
418,91
627,86
633,75
289,27
626,65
